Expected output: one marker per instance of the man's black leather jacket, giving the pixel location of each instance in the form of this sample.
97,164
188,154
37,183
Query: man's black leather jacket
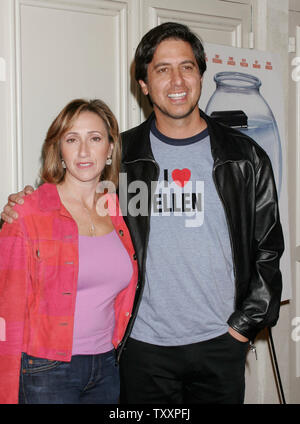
244,180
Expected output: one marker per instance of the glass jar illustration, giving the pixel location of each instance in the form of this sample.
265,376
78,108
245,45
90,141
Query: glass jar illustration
237,102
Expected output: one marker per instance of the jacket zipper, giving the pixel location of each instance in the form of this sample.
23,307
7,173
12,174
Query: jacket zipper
253,348
128,330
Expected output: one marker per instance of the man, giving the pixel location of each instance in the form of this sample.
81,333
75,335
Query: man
208,249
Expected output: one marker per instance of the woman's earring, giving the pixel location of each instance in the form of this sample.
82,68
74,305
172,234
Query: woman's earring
63,163
108,161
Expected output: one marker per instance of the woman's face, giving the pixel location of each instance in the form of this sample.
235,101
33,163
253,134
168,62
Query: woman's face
85,148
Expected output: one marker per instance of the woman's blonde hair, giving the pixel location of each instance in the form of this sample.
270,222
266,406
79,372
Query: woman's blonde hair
52,170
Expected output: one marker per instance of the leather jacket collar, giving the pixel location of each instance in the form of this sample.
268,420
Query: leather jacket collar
221,149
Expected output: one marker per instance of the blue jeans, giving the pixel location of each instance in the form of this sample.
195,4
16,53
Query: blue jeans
89,379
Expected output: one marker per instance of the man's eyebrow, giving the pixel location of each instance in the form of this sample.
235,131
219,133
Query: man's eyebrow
159,64
192,62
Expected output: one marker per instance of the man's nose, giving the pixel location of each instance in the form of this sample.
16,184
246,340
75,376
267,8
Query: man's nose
177,78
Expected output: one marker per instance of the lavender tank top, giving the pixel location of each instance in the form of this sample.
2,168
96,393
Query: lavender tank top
104,270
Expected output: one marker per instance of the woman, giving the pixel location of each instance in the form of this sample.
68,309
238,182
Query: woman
68,274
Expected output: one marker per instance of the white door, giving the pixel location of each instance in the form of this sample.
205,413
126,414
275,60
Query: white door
216,21
61,50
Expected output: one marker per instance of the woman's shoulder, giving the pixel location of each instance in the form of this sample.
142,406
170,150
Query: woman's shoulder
41,198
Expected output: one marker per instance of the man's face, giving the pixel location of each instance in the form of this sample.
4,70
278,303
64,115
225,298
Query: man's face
174,80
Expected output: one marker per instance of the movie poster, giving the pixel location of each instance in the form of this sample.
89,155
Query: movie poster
242,88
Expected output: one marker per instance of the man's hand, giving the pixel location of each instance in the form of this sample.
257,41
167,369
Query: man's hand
8,214
237,335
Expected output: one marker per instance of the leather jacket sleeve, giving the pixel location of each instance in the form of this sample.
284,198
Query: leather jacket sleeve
259,307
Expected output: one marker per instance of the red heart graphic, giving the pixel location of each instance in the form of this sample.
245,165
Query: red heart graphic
181,176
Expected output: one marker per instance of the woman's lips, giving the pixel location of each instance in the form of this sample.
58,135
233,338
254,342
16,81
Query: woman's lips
84,164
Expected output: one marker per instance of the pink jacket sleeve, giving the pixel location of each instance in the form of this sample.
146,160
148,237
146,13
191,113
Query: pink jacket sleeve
14,278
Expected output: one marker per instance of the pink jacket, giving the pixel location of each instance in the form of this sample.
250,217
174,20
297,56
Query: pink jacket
38,283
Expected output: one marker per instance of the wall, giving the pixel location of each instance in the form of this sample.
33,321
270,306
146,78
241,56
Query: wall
8,153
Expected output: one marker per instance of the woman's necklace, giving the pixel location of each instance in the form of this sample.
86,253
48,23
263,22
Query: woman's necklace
92,229
76,205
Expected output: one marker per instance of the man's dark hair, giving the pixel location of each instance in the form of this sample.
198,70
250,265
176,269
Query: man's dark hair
148,44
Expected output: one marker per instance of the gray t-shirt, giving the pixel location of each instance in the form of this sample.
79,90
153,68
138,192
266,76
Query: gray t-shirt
189,288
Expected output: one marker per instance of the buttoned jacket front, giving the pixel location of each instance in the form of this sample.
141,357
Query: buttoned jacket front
38,284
